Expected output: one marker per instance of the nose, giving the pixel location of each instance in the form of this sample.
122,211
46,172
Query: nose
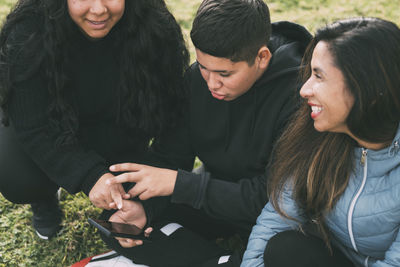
306,90
213,81
98,7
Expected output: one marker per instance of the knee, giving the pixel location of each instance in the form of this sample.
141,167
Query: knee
21,179
21,188
276,245
284,249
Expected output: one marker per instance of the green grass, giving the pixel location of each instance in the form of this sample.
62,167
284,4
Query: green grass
19,245
5,7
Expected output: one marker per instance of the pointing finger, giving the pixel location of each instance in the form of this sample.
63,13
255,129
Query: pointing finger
124,178
116,195
131,167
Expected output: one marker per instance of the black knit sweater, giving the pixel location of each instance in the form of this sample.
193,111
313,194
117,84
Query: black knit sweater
93,79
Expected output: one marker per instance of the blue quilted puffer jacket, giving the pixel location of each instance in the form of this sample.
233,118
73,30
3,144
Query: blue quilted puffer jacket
365,221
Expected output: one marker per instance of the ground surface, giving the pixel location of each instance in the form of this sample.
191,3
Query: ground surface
19,245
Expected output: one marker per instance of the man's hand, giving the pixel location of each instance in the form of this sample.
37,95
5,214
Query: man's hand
103,195
132,212
150,181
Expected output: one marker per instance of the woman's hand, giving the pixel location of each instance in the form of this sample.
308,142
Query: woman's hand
103,195
150,181
132,212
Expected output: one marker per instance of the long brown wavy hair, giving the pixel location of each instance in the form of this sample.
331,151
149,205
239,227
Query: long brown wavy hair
317,165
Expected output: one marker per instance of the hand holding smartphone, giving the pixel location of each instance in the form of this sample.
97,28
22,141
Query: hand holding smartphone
115,229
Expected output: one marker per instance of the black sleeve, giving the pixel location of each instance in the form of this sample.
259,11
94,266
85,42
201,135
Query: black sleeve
70,166
236,203
155,208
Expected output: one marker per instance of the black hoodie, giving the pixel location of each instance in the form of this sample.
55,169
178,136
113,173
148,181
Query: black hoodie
234,139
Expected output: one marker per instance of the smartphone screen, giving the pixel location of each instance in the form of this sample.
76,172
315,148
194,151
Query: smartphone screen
118,229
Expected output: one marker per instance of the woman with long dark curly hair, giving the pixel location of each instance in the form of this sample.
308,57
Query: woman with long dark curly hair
83,84
335,183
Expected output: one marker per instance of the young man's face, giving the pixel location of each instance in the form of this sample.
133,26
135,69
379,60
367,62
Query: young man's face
228,80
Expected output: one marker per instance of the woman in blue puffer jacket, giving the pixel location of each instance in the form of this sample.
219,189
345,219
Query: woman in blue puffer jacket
335,182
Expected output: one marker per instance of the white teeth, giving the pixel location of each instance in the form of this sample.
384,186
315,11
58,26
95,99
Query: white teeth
316,109
97,22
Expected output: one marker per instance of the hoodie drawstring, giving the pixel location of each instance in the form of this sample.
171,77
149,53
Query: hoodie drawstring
394,149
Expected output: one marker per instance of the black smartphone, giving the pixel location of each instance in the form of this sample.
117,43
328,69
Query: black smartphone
119,229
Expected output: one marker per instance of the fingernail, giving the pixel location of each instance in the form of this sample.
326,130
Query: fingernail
112,168
108,182
138,242
120,206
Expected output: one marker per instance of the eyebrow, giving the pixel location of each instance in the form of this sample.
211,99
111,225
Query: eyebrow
318,70
219,71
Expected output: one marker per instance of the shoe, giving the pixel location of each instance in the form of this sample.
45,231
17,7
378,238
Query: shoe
47,217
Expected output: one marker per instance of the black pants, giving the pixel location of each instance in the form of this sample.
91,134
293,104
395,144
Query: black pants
199,222
182,248
293,248
192,245
21,180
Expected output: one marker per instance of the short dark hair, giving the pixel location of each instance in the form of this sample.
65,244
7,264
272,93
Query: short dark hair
233,29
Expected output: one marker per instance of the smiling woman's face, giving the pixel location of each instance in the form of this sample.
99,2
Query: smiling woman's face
96,18
327,93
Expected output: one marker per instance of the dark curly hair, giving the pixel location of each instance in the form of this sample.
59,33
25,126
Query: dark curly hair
153,57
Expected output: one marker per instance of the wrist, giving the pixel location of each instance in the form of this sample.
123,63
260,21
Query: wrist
173,175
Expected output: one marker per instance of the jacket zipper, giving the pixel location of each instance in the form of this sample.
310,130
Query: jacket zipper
364,163
363,156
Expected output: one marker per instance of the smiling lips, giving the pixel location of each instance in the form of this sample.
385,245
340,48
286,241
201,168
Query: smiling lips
98,23
315,110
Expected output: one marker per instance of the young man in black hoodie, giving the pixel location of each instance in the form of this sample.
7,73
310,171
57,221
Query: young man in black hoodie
243,89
